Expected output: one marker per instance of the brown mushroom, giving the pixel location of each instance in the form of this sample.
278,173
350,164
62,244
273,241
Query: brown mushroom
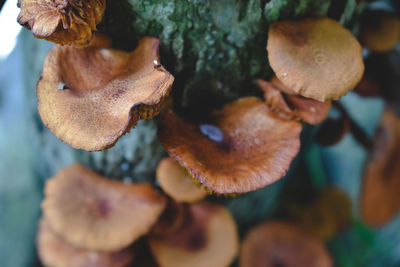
243,147
208,238
55,252
281,244
380,30
380,197
294,106
92,212
89,97
315,57
62,21
332,130
177,183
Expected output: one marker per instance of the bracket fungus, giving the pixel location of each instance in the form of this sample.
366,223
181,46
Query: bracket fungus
380,197
244,147
95,213
315,57
177,182
56,252
208,238
89,97
62,21
294,106
281,244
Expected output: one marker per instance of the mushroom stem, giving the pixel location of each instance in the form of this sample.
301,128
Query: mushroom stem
358,133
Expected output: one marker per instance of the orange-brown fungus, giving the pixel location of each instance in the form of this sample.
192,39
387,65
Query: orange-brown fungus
380,199
208,238
315,57
280,244
92,212
244,147
177,182
294,107
380,30
56,252
89,97
62,21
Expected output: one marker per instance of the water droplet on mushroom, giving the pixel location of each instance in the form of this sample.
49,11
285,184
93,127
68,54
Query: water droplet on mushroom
61,86
212,132
156,63
285,74
312,109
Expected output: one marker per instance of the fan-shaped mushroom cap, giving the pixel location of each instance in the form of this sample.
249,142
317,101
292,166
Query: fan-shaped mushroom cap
281,244
55,252
62,21
177,183
294,106
380,198
380,30
244,147
208,239
95,213
89,97
316,57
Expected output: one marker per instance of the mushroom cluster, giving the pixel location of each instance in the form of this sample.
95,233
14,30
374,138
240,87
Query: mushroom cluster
89,220
90,94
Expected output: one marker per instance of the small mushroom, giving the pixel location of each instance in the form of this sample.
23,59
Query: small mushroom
380,30
294,106
89,97
380,197
315,57
62,21
332,130
208,238
243,147
177,183
280,244
56,252
92,212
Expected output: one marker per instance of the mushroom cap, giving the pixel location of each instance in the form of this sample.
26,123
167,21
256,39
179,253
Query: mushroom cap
281,244
315,57
89,97
177,182
294,106
245,147
380,30
208,238
380,199
332,130
95,213
62,21
55,252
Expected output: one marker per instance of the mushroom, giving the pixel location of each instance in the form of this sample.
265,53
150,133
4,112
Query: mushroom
243,147
315,57
56,252
380,197
177,183
380,30
332,130
294,106
280,244
95,213
207,238
62,21
89,97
